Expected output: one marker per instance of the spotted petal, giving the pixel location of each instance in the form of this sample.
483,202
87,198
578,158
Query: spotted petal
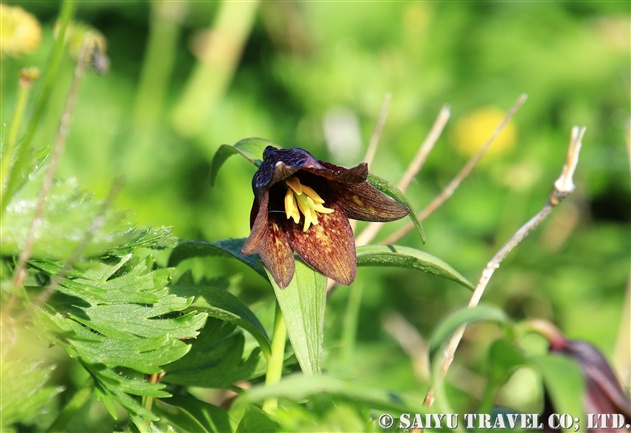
328,247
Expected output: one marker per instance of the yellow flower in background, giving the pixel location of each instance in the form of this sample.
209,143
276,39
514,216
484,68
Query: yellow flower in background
20,32
473,130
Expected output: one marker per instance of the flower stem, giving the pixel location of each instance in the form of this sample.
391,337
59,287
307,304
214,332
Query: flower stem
23,92
275,362
67,12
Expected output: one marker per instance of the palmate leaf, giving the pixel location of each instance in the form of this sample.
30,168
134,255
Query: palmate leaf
23,392
68,215
250,148
409,258
119,315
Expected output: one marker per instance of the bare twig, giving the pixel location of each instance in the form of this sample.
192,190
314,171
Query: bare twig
60,142
412,170
453,185
563,186
376,134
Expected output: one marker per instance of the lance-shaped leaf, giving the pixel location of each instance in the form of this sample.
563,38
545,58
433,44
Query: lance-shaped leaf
249,148
299,387
409,258
192,415
302,303
226,248
223,305
467,316
392,191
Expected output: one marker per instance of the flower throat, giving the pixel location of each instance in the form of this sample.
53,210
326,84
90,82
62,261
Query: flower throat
302,197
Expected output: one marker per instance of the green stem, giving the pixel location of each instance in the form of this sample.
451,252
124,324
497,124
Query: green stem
24,90
148,401
66,14
72,407
275,362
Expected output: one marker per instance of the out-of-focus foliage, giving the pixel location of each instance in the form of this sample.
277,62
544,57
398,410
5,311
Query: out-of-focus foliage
313,75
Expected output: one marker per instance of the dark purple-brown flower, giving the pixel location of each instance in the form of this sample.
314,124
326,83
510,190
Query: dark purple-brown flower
303,205
604,396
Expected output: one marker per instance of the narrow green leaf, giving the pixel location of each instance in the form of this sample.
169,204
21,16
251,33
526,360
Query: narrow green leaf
392,191
215,358
409,258
256,421
299,387
451,323
250,148
564,382
504,359
227,248
223,305
302,303
179,417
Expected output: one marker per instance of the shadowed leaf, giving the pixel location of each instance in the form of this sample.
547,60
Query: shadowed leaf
250,148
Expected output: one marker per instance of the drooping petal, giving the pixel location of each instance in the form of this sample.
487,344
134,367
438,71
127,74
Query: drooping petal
276,253
253,243
269,240
328,247
364,202
335,173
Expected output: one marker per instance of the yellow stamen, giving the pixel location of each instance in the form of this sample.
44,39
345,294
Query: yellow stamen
299,196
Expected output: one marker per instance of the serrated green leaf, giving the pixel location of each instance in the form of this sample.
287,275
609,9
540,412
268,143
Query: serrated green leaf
67,218
451,323
392,191
409,258
230,248
215,358
194,415
302,303
256,421
23,392
298,387
223,305
564,382
250,148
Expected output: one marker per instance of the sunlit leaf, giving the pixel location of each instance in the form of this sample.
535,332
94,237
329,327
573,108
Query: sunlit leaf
408,258
392,191
68,216
250,148
302,303
24,392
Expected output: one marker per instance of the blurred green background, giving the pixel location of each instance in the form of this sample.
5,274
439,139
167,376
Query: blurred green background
314,75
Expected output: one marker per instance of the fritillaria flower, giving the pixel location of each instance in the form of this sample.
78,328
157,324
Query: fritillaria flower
303,205
603,393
